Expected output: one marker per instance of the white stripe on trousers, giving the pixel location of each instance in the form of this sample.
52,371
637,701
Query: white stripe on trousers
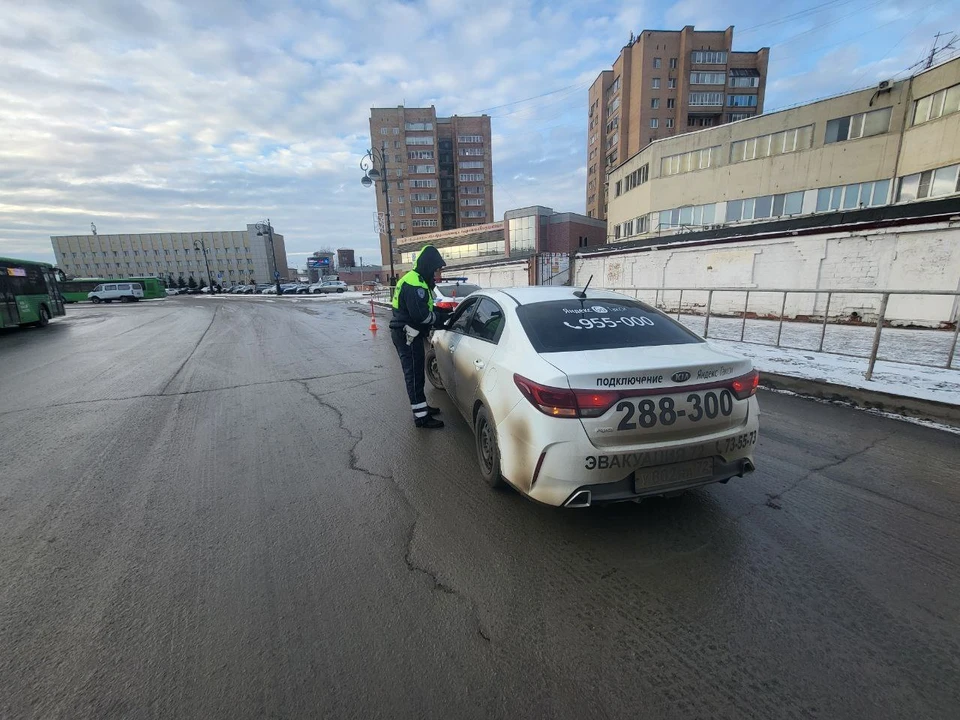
419,406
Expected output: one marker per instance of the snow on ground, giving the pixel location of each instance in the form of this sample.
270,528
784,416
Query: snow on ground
349,295
913,381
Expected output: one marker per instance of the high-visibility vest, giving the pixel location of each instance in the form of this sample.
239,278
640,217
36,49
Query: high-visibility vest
412,277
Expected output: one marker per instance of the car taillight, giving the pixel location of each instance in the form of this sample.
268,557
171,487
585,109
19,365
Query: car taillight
446,305
745,385
563,402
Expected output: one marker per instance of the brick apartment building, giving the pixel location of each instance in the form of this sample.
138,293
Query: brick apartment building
664,83
439,170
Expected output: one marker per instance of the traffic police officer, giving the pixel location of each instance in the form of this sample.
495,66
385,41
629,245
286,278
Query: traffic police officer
413,317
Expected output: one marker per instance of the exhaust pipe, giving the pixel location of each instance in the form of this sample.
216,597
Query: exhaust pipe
580,499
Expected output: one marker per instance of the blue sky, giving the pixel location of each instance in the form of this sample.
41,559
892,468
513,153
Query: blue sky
171,116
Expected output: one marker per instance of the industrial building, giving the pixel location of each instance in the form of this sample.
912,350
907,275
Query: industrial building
233,256
898,142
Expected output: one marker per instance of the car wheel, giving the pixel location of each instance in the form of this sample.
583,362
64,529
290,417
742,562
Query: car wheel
488,452
339,290
433,369
95,300
124,299
44,317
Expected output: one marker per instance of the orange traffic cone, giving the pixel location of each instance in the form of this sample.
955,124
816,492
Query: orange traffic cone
373,317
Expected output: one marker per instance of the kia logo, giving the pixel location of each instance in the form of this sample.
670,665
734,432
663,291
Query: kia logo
680,376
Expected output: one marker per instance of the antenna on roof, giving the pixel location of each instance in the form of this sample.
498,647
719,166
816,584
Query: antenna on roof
582,294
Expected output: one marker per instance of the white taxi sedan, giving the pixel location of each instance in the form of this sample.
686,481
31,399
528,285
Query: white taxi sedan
578,401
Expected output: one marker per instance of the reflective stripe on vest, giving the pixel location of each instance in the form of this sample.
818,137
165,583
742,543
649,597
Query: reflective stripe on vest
412,278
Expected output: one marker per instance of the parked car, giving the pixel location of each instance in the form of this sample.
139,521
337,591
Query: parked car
263,286
447,296
108,292
270,290
328,286
303,289
584,398
172,291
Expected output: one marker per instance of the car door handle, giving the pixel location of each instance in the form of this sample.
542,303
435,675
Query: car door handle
480,364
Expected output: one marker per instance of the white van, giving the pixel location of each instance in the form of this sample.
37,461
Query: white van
108,292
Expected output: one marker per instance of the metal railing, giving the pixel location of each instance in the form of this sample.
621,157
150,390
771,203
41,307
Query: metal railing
926,341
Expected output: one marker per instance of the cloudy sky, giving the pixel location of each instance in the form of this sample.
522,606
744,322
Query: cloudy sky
209,114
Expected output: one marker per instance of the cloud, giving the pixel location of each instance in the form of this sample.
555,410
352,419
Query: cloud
173,115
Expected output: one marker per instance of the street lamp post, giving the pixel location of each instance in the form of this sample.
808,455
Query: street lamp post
202,246
371,174
268,228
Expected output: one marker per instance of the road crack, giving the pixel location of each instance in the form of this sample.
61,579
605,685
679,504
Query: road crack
437,584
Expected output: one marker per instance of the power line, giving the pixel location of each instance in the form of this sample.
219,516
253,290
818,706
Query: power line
793,16
919,22
517,102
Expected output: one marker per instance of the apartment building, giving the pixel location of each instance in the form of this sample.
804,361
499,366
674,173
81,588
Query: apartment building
439,170
895,143
665,83
233,256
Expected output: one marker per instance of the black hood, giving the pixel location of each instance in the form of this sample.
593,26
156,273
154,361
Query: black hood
428,262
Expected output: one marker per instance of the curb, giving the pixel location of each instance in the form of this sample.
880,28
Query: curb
929,410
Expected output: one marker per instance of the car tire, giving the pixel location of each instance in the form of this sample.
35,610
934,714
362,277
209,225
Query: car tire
44,317
339,290
95,300
124,299
433,370
488,451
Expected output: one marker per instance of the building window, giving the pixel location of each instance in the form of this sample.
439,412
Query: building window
384,131
417,140
707,78
419,197
657,63
669,122
422,169
928,184
423,183
671,83
613,124
654,122
474,213
415,126
471,177
612,158
523,234
744,82
690,161
940,103
613,140
424,223
700,99
471,190
741,100
709,57
468,202
763,207
690,215
780,143
671,103
469,138
470,152
733,117
875,122
655,103
613,105
849,197
673,63
424,210
656,83
471,165
617,188
419,155
396,131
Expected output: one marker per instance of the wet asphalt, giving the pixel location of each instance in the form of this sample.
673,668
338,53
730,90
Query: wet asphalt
220,508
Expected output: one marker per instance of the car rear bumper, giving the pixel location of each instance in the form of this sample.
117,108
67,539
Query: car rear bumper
624,490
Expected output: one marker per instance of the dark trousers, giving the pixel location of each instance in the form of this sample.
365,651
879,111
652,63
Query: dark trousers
413,364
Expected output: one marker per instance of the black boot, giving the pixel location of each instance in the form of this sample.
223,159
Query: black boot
431,411
431,423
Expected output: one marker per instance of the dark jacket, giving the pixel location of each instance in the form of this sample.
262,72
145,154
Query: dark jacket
414,306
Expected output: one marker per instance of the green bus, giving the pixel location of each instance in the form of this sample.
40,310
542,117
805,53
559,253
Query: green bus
76,289
29,293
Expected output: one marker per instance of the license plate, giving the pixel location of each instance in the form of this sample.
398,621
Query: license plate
673,474
646,413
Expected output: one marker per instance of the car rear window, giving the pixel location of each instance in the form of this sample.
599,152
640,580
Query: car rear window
457,290
591,324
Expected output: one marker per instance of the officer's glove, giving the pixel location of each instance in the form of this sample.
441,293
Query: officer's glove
440,318
412,334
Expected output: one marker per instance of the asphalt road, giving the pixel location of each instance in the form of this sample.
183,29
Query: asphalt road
220,508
